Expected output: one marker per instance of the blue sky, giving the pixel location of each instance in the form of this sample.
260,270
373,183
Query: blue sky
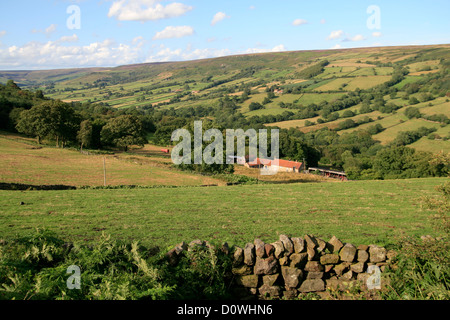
47,34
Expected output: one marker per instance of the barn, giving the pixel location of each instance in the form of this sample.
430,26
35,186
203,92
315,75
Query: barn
287,166
278,165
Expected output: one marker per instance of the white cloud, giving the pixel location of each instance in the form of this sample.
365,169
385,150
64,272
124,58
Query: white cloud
72,38
48,31
376,34
167,54
146,10
299,22
323,21
335,35
137,40
57,54
277,48
219,16
205,53
358,37
2,33
174,32
252,7
336,46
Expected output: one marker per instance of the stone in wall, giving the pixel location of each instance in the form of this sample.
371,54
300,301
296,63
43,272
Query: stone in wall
238,256
329,258
266,265
335,244
242,270
279,249
348,252
259,248
292,276
341,268
362,256
298,260
287,244
249,254
313,266
377,254
269,249
357,267
272,292
248,281
271,279
299,244
312,285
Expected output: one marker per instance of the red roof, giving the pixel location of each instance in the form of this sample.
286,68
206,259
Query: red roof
259,161
289,164
281,163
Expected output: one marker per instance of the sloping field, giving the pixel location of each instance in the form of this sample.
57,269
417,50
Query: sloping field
30,164
353,83
419,66
390,133
434,146
366,82
308,98
333,85
439,107
335,124
291,123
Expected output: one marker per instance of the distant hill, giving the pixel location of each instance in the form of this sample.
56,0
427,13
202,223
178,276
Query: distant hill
294,80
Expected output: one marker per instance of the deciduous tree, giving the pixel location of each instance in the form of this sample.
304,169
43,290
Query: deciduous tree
123,131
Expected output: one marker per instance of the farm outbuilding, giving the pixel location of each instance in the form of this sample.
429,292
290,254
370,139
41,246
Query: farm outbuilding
278,165
287,166
330,173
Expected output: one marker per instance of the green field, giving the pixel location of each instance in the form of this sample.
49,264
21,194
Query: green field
390,133
350,84
356,211
23,162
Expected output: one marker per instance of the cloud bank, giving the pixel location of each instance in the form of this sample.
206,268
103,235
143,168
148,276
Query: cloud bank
146,10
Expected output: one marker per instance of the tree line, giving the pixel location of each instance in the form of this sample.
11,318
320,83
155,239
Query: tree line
69,124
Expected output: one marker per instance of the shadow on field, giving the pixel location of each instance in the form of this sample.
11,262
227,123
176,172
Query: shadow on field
20,186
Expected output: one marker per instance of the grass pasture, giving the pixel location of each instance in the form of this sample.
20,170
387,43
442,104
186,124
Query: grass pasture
390,133
350,84
291,123
434,146
439,107
420,66
25,163
355,211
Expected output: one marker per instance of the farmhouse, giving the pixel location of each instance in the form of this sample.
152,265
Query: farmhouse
287,166
278,165
278,91
258,163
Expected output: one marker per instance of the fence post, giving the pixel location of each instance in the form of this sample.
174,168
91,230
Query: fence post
104,172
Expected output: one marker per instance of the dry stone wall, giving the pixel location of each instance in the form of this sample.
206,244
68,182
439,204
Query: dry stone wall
294,265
